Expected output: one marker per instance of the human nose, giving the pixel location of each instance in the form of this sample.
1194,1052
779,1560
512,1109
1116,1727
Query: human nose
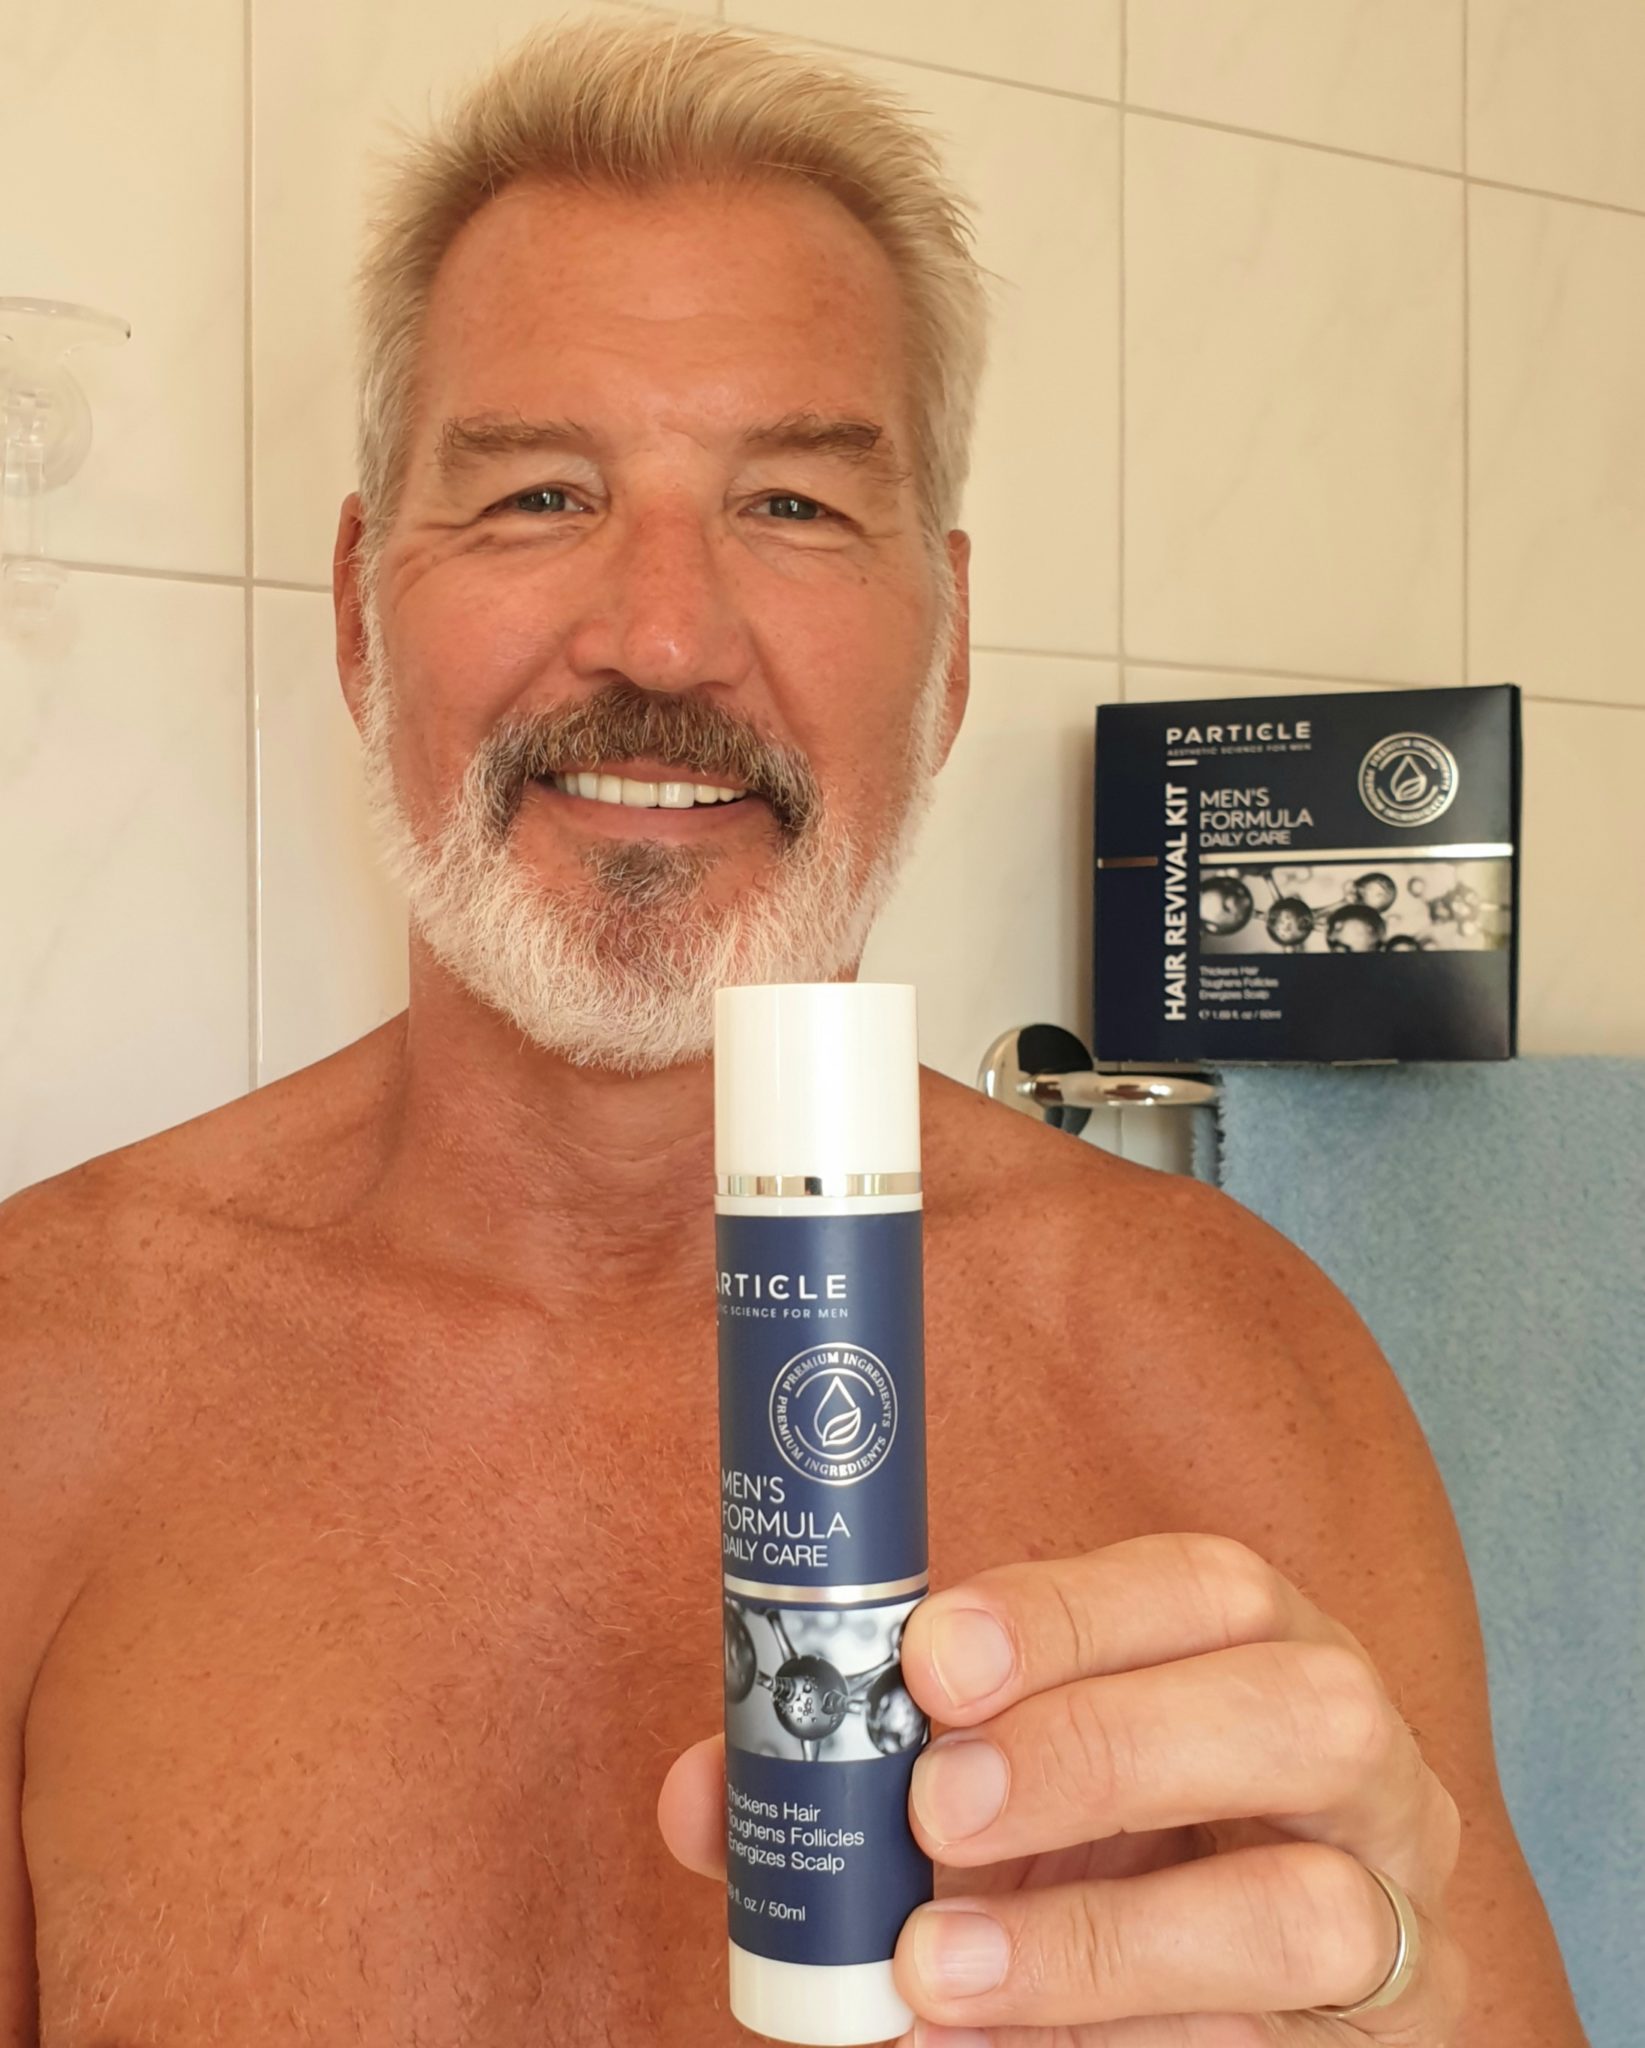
657,609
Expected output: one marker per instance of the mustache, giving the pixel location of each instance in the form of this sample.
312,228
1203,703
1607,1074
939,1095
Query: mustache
623,721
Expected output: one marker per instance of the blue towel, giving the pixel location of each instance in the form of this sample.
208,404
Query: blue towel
1488,1222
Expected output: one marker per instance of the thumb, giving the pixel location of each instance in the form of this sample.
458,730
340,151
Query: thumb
691,1807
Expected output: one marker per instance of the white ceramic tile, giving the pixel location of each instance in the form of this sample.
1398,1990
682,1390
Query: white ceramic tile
122,165
123,970
1557,448
1072,45
1169,685
328,83
333,928
1041,505
1294,408
1161,1138
1554,94
1384,76
1582,965
991,920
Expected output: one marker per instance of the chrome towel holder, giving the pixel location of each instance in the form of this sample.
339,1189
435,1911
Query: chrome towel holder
1047,1073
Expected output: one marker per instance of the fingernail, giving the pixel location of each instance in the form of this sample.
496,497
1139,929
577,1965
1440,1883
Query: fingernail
971,1653
959,1786
958,1951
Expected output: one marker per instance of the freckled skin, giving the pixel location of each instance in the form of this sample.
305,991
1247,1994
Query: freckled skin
358,1496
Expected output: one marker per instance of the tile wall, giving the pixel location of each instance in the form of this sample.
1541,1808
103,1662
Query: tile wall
1316,366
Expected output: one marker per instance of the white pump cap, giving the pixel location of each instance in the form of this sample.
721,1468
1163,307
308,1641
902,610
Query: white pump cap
819,1078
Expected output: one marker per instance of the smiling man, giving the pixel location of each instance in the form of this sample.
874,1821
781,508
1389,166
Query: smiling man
698,812
358,1619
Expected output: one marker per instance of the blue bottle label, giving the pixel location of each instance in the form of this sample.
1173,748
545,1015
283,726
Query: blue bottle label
822,1466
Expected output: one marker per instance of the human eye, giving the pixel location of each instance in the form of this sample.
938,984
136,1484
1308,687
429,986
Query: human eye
810,508
530,501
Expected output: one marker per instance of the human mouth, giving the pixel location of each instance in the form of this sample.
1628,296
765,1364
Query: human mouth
640,795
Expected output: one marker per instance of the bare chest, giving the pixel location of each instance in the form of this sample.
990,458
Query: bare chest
358,1732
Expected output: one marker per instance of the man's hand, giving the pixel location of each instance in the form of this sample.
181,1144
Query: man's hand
1164,1777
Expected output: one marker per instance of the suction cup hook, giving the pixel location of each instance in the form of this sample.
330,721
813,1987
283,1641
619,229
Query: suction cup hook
1047,1073
1017,1061
45,431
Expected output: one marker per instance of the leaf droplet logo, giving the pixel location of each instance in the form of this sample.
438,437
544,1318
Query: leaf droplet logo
1409,778
834,1413
838,1420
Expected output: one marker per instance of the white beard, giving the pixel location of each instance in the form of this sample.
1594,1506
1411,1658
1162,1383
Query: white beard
620,971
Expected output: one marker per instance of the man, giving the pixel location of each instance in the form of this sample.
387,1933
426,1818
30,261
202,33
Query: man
356,1610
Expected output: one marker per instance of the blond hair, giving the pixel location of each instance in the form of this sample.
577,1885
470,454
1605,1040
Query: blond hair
633,105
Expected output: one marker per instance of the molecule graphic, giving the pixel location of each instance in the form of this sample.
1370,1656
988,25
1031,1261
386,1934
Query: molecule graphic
1460,905
1357,923
1354,928
1225,905
1376,892
1289,922
811,1697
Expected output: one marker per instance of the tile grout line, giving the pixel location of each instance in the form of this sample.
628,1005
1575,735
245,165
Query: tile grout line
1279,675
1094,99
220,578
1119,1130
1108,654
1104,654
1094,654
1119,321
254,776
1395,163
1467,373
1559,198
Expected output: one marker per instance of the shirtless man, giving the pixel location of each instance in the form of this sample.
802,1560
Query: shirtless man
354,1613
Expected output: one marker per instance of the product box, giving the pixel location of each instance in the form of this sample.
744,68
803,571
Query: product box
1329,878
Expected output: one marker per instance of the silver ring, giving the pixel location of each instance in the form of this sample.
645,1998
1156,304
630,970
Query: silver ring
1404,1966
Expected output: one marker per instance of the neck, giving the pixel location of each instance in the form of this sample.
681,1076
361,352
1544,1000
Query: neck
509,1160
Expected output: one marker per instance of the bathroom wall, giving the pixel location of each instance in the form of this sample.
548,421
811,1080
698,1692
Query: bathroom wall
1317,366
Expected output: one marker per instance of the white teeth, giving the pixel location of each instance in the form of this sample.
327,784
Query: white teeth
643,796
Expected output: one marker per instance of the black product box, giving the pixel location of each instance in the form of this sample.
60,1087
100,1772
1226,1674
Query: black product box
1328,878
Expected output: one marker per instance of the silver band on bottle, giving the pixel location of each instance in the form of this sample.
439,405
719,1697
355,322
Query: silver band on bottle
826,1596
829,1186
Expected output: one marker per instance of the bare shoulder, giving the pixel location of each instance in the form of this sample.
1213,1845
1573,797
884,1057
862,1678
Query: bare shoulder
119,1230
1243,1383
1150,1247
79,1253
95,1265
107,1269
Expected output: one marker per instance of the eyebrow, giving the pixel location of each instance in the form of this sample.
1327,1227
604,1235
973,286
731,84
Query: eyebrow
861,442
479,437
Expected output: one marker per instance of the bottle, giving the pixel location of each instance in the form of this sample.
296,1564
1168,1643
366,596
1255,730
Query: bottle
822,1482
